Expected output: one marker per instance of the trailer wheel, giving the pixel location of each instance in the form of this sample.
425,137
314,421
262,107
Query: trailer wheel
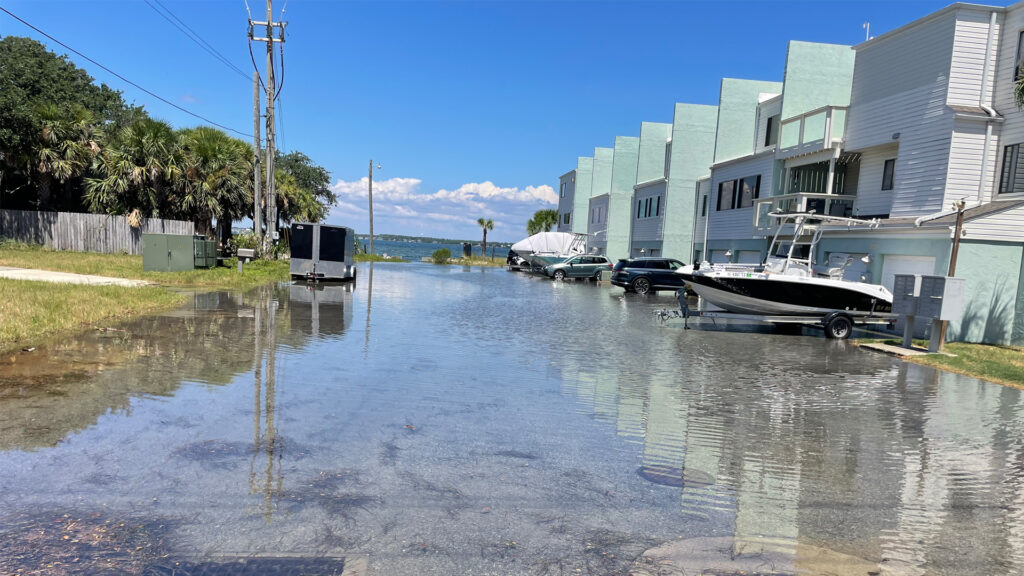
839,327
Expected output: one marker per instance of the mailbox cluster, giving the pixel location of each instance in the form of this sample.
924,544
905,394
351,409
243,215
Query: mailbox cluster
937,298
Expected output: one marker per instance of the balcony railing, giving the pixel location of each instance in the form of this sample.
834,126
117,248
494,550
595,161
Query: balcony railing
812,131
830,204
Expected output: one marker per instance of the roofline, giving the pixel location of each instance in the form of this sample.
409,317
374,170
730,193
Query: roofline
742,158
928,18
599,195
573,171
640,185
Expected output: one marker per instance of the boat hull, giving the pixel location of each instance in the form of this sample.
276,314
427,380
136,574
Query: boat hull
780,295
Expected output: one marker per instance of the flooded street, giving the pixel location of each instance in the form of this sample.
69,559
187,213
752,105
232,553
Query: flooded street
477,421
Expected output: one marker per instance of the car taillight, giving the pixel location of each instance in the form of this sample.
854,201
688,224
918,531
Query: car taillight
609,265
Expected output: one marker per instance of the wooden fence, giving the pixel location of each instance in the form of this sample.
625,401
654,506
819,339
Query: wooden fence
84,232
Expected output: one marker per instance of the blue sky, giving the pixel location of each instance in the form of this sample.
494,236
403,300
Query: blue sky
473,108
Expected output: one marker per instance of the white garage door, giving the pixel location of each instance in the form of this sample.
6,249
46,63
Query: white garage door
719,257
749,257
893,264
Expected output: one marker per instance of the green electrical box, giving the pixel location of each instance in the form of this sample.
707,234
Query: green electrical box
175,252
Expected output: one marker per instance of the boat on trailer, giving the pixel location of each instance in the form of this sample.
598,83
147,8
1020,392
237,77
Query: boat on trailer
785,283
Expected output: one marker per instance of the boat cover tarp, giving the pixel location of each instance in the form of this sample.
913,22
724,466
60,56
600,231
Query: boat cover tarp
548,243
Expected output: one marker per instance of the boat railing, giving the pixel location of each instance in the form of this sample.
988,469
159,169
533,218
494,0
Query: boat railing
801,202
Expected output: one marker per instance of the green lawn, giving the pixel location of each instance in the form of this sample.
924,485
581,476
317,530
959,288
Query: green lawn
1002,364
35,312
129,266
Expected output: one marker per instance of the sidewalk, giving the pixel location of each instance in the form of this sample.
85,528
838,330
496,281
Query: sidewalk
66,277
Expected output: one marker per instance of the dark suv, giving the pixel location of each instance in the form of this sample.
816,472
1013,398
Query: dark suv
643,275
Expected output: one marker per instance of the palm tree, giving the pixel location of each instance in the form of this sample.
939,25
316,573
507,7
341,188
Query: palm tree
68,141
136,171
542,221
486,225
216,177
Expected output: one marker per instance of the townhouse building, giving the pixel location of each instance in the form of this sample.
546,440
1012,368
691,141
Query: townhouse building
895,129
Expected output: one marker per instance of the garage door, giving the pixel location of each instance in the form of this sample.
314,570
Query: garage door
749,257
719,257
893,264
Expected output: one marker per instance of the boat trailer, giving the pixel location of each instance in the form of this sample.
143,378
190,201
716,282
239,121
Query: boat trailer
838,324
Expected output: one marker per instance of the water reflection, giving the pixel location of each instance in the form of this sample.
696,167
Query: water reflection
505,424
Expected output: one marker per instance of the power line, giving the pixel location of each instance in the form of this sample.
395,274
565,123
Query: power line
194,37
153,94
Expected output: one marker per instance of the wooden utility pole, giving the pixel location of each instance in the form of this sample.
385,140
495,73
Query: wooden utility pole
257,192
371,206
958,230
270,214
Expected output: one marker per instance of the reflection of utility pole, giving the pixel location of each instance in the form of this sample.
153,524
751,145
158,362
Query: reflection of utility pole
369,304
265,438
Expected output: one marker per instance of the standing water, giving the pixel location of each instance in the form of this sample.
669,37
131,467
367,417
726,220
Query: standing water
446,420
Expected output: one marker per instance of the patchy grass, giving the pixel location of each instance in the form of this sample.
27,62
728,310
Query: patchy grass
1001,364
495,262
128,266
378,258
35,312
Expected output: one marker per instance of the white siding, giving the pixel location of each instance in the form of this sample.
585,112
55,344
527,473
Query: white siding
871,199
649,229
968,59
738,223
566,194
766,110
1012,129
1006,226
703,190
899,87
966,150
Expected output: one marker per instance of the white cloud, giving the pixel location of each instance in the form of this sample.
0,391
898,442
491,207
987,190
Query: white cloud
406,190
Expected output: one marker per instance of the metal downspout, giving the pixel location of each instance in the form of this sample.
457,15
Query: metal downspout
985,78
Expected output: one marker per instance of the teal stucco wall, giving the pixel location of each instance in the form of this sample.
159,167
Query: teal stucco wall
693,151
601,179
651,162
581,198
624,163
737,112
816,75
995,296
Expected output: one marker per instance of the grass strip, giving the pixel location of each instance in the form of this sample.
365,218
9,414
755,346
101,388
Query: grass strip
1000,364
20,255
36,312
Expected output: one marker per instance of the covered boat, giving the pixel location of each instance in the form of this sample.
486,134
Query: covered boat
545,248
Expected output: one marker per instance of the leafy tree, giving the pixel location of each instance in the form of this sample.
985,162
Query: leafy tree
542,221
486,225
303,189
31,77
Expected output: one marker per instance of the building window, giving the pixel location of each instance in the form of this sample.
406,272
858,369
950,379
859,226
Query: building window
1017,73
749,190
704,206
771,131
657,206
887,173
647,208
1012,179
726,192
565,218
639,206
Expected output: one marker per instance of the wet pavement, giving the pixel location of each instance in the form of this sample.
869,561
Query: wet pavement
446,420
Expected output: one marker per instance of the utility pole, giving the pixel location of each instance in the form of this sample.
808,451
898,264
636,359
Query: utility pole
257,192
270,39
958,231
371,206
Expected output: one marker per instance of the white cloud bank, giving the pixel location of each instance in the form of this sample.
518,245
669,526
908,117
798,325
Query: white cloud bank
399,202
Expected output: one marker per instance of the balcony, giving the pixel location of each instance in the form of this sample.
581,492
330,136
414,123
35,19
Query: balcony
830,204
813,131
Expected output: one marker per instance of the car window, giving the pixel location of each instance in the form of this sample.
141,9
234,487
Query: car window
658,264
675,264
576,260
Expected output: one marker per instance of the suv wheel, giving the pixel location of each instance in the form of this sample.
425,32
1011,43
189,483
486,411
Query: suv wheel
597,276
641,285
559,275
